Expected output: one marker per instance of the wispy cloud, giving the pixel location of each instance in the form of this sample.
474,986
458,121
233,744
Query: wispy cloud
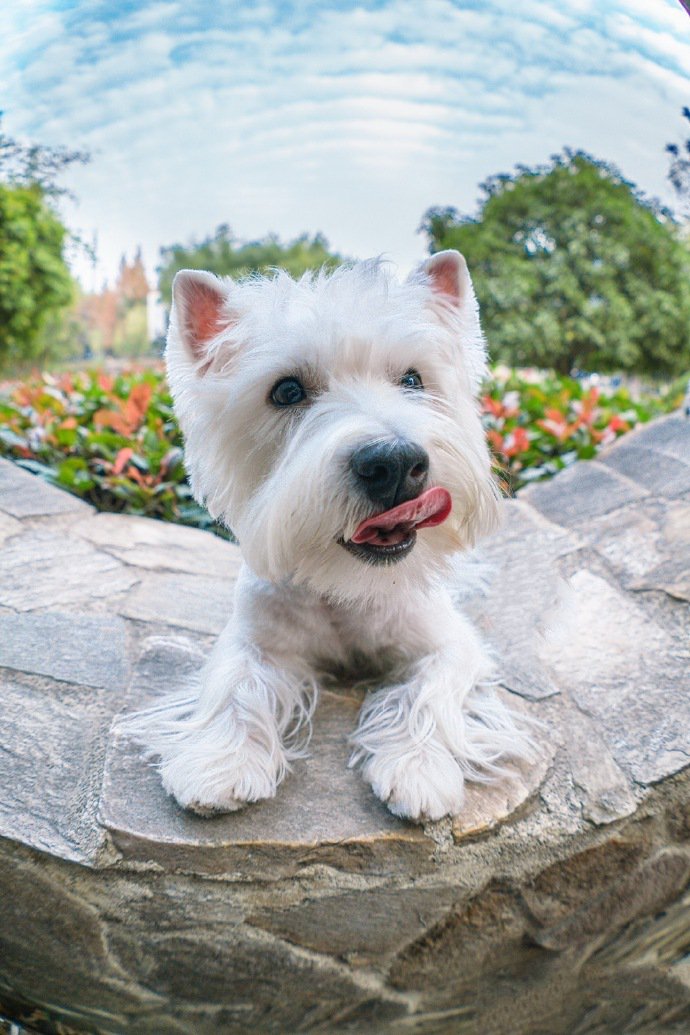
312,115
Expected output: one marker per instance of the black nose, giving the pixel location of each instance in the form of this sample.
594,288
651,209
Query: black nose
390,472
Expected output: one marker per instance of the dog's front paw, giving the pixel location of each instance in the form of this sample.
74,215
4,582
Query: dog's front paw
226,786
426,784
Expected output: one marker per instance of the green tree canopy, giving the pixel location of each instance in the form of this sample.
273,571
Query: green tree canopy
574,268
35,282
34,279
224,255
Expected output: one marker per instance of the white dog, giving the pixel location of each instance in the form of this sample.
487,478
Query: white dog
332,424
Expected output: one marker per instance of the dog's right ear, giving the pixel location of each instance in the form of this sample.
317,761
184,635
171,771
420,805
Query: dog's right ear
200,312
449,277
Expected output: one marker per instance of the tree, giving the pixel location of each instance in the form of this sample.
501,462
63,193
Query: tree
131,284
34,165
131,288
98,314
573,267
224,255
679,169
35,282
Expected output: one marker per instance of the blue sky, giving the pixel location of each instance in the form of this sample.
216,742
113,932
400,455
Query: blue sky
349,118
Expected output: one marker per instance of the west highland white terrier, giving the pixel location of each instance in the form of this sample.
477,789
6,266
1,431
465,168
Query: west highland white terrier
331,422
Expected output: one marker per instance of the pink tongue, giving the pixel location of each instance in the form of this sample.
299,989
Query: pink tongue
393,526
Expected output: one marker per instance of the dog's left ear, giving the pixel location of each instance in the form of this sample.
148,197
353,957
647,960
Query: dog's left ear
200,311
449,277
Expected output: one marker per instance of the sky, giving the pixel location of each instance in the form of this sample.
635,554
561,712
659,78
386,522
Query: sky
351,119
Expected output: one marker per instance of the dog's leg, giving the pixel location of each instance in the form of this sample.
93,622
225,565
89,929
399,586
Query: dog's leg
233,743
418,740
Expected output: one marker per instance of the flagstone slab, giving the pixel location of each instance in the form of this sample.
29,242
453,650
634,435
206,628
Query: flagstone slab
51,764
167,663
520,596
605,792
24,495
194,602
161,546
583,491
627,672
45,569
87,650
632,542
672,578
669,435
323,813
357,925
486,806
657,472
9,526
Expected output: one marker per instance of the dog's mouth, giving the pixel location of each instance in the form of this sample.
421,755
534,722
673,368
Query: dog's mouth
390,536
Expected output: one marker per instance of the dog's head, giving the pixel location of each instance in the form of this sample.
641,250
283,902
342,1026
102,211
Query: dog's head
332,423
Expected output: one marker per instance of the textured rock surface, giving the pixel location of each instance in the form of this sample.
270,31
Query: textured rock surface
557,902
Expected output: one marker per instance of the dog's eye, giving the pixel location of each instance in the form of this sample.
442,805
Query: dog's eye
288,392
411,380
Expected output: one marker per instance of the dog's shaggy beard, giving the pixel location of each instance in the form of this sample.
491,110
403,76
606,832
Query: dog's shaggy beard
281,481
294,525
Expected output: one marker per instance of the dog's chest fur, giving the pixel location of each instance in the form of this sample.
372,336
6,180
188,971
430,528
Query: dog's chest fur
340,642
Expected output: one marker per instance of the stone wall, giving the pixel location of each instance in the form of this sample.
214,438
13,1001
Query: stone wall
557,902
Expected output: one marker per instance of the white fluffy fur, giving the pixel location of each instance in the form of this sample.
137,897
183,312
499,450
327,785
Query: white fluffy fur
280,478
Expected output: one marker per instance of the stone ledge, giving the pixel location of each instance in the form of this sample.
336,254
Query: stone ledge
555,901
323,814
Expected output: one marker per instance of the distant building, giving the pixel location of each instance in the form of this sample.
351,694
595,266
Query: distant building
131,285
127,319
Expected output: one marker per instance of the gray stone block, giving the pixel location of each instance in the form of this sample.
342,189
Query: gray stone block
630,674
522,587
323,813
74,648
26,495
168,663
671,576
656,472
50,762
193,602
670,435
161,546
631,541
45,569
361,926
605,792
581,492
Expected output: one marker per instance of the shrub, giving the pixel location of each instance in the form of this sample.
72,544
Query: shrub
111,439
538,425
